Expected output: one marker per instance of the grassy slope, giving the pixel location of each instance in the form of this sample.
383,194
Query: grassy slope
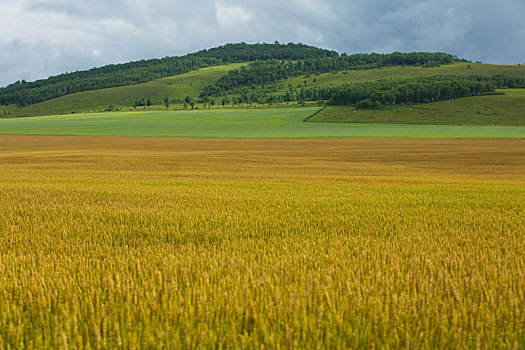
241,123
508,109
176,87
407,72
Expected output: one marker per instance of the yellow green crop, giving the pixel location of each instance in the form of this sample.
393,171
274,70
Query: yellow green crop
183,243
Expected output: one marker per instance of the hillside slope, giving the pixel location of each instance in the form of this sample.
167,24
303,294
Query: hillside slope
507,109
401,72
175,87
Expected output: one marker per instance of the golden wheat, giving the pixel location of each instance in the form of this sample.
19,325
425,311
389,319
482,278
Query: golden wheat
137,243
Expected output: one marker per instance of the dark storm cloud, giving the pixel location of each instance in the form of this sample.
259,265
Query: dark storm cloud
43,37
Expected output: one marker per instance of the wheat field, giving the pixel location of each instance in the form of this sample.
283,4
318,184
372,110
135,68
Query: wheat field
214,243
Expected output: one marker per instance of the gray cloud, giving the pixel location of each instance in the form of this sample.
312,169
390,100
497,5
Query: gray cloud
39,38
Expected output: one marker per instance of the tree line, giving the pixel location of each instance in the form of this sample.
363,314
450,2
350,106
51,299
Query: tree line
384,93
25,93
271,71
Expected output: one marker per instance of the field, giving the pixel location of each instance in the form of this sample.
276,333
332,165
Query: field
183,243
237,123
508,109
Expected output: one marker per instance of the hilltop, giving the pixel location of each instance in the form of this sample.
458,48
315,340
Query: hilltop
25,93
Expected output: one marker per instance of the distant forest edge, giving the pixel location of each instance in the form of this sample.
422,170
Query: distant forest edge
268,63
272,71
384,93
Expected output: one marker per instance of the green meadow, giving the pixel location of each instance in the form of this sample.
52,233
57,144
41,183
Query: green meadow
507,109
238,123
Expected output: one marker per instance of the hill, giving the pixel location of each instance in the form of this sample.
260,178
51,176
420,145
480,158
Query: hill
192,83
240,75
25,93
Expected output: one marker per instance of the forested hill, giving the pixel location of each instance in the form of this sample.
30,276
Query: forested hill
25,93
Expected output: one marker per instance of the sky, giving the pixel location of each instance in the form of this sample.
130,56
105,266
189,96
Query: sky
39,38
